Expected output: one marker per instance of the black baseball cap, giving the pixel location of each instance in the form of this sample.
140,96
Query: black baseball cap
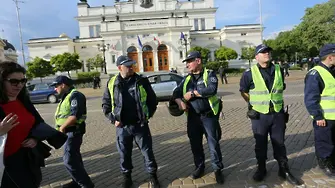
262,48
327,49
124,60
192,55
62,80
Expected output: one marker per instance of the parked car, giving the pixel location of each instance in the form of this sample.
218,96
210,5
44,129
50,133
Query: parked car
42,92
163,83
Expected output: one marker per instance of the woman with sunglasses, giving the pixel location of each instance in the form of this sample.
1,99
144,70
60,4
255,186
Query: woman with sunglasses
21,131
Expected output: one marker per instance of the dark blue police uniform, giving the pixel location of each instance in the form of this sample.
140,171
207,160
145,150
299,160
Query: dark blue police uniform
324,136
201,119
72,157
273,123
128,110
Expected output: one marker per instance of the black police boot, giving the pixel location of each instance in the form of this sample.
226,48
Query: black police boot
260,172
219,176
284,172
198,172
153,181
327,166
127,181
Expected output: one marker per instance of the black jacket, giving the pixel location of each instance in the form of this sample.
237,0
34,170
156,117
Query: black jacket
40,131
116,115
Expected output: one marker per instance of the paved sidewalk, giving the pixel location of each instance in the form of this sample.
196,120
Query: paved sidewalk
173,154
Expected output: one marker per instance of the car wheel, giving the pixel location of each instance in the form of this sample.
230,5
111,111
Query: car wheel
52,99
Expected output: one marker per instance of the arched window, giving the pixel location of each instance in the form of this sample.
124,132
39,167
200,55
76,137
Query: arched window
147,49
131,49
162,47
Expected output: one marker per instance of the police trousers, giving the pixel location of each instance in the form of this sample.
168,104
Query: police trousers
324,139
143,139
273,124
199,125
73,160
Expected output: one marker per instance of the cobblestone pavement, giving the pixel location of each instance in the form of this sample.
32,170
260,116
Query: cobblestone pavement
173,154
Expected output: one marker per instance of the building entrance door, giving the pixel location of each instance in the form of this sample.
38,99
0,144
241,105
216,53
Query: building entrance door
148,59
132,54
163,57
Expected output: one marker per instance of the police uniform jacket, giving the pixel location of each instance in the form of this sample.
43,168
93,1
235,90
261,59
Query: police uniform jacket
128,108
78,109
268,74
314,86
201,104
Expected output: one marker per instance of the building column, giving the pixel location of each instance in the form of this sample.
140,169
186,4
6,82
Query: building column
140,61
155,56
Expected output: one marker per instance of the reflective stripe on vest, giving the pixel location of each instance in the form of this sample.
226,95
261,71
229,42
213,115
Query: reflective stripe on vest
260,97
327,102
63,111
143,97
214,101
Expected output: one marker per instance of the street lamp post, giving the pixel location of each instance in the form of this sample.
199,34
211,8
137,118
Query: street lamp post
260,19
184,41
20,31
103,48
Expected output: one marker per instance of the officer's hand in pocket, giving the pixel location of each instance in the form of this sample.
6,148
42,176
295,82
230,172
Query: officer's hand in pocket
118,124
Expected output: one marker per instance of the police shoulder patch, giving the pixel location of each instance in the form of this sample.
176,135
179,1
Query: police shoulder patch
74,103
312,72
214,79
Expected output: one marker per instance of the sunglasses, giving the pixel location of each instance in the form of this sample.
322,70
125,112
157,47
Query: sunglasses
15,82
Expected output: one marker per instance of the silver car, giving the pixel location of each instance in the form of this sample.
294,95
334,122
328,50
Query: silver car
163,83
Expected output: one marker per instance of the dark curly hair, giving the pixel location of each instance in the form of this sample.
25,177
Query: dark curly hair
7,68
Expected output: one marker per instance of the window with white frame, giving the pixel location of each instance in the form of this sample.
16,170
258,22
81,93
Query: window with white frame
196,24
94,30
203,24
181,55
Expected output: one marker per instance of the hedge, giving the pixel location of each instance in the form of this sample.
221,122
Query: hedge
82,75
85,79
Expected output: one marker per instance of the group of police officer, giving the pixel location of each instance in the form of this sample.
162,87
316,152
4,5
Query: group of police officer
129,102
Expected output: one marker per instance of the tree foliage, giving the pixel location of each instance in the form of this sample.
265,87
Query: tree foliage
305,40
204,53
66,62
224,54
39,68
248,53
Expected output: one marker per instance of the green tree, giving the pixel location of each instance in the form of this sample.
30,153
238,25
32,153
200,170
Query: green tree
248,53
203,51
224,54
98,61
39,68
66,62
318,26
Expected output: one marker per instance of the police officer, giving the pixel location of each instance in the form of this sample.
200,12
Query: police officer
128,103
320,103
70,119
196,94
262,87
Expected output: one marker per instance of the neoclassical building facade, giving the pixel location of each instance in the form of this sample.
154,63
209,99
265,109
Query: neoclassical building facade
7,51
155,33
